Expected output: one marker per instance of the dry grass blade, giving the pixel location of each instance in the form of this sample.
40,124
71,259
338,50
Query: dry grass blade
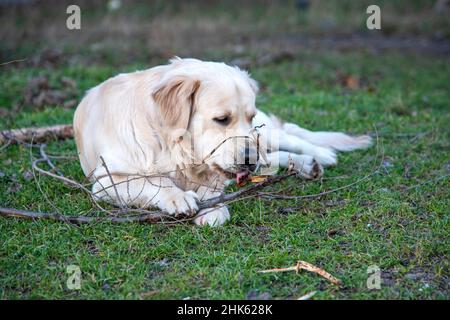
303,265
307,296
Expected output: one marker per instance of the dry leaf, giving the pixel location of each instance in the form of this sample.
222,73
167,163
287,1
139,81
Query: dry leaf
256,179
348,81
352,82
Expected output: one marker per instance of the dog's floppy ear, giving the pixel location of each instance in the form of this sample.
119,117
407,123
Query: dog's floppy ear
175,98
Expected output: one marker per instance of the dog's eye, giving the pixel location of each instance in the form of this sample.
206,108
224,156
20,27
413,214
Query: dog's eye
225,120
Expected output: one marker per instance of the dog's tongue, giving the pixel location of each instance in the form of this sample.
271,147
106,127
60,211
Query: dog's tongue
242,177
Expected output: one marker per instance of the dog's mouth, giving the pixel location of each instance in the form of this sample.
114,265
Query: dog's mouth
240,175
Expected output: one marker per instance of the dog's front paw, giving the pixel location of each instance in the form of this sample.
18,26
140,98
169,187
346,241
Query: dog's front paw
307,167
324,156
178,201
212,216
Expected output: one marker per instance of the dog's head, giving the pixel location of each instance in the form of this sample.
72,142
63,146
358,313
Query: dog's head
208,109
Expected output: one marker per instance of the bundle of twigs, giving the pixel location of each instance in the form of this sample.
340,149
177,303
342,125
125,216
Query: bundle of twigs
128,214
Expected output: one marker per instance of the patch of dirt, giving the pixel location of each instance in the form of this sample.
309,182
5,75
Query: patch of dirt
47,58
424,275
255,294
91,247
375,44
40,93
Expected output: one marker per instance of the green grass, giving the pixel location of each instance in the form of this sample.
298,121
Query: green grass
398,219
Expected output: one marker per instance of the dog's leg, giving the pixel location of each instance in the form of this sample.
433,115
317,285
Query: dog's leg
143,192
212,216
304,164
294,144
333,140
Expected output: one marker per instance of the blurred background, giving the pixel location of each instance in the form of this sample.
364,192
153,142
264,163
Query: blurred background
125,31
46,66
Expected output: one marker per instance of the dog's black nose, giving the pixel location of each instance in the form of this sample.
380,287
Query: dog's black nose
250,159
250,167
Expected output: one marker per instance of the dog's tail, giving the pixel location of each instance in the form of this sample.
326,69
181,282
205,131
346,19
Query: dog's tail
333,140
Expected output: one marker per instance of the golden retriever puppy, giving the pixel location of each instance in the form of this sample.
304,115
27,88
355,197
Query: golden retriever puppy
172,135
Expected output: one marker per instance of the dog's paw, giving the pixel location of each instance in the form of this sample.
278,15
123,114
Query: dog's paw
176,201
212,217
307,166
324,156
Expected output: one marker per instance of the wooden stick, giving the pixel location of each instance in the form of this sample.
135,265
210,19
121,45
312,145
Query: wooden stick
151,217
25,214
309,267
36,135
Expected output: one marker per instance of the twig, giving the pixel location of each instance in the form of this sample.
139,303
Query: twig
47,159
37,179
13,61
42,134
119,199
303,265
307,296
65,180
148,218
220,144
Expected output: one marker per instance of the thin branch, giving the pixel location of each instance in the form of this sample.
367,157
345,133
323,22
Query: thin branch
42,134
119,199
147,218
45,157
303,265
12,61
